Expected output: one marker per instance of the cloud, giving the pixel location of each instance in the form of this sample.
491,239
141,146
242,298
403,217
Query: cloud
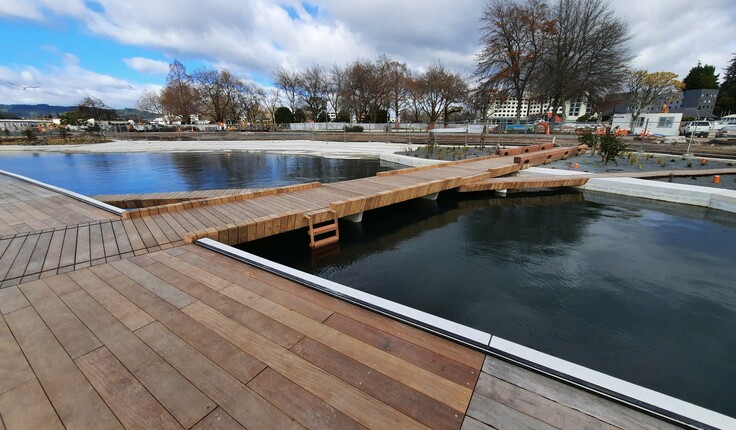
147,65
65,84
254,37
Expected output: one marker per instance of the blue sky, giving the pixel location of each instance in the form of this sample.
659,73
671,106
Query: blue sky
74,48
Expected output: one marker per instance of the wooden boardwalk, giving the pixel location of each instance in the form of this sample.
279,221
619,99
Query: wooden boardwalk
144,200
116,323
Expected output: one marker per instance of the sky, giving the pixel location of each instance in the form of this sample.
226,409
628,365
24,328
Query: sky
58,52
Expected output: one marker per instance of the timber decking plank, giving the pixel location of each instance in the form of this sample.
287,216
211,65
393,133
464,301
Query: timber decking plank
132,232
156,285
11,299
131,403
61,284
15,370
108,240
362,408
96,244
500,416
54,254
121,238
182,399
10,254
166,229
271,328
588,403
218,420
236,362
68,248
144,233
27,407
404,399
251,410
305,408
126,312
35,264
195,273
536,406
73,336
83,253
412,353
58,374
233,271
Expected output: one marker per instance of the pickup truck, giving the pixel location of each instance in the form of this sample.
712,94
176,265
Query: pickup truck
697,128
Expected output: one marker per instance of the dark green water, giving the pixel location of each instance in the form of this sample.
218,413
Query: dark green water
146,172
642,291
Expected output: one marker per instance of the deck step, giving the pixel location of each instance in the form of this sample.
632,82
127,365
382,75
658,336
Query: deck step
325,229
326,241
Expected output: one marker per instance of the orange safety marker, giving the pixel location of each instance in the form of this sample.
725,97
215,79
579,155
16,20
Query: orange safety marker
576,166
717,179
703,161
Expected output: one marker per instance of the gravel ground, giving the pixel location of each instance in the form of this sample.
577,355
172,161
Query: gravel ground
635,162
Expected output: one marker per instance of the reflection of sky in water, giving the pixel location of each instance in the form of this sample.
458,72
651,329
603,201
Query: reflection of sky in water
642,291
155,172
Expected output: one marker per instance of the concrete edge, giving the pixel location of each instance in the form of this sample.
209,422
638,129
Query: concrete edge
644,399
90,201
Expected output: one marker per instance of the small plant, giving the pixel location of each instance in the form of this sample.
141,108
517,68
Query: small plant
689,164
588,138
611,147
29,134
633,159
660,161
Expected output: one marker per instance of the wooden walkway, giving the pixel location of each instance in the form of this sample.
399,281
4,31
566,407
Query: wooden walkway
186,338
135,329
540,180
144,200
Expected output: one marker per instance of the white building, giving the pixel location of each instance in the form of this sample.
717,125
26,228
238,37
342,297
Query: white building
665,124
570,111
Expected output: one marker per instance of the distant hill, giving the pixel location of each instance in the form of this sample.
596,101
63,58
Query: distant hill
44,110
32,111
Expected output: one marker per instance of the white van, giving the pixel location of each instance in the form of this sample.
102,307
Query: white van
724,121
697,128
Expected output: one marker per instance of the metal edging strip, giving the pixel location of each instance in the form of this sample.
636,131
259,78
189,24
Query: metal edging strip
90,201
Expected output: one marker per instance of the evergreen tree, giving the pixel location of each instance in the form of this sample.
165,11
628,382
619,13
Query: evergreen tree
726,103
701,77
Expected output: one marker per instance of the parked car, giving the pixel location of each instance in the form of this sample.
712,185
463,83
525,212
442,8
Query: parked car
727,131
697,128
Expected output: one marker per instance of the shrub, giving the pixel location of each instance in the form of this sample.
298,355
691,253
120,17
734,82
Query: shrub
610,147
353,128
29,134
587,137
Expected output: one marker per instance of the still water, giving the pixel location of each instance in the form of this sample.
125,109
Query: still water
127,173
642,291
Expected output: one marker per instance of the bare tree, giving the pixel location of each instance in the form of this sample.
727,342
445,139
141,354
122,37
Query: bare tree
396,78
441,88
270,100
415,97
646,88
288,81
336,88
314,89
587,54
364,90
95,108
150,101
179,96
513,37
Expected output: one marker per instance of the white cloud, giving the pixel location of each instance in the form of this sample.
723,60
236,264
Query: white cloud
257,36
66,84
147,65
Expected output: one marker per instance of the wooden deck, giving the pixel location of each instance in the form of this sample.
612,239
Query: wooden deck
116,323
188,338
145,200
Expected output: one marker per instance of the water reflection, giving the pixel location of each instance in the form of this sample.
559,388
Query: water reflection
119,173
629,287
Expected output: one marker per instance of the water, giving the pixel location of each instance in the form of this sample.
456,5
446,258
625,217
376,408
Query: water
642,291
125,173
